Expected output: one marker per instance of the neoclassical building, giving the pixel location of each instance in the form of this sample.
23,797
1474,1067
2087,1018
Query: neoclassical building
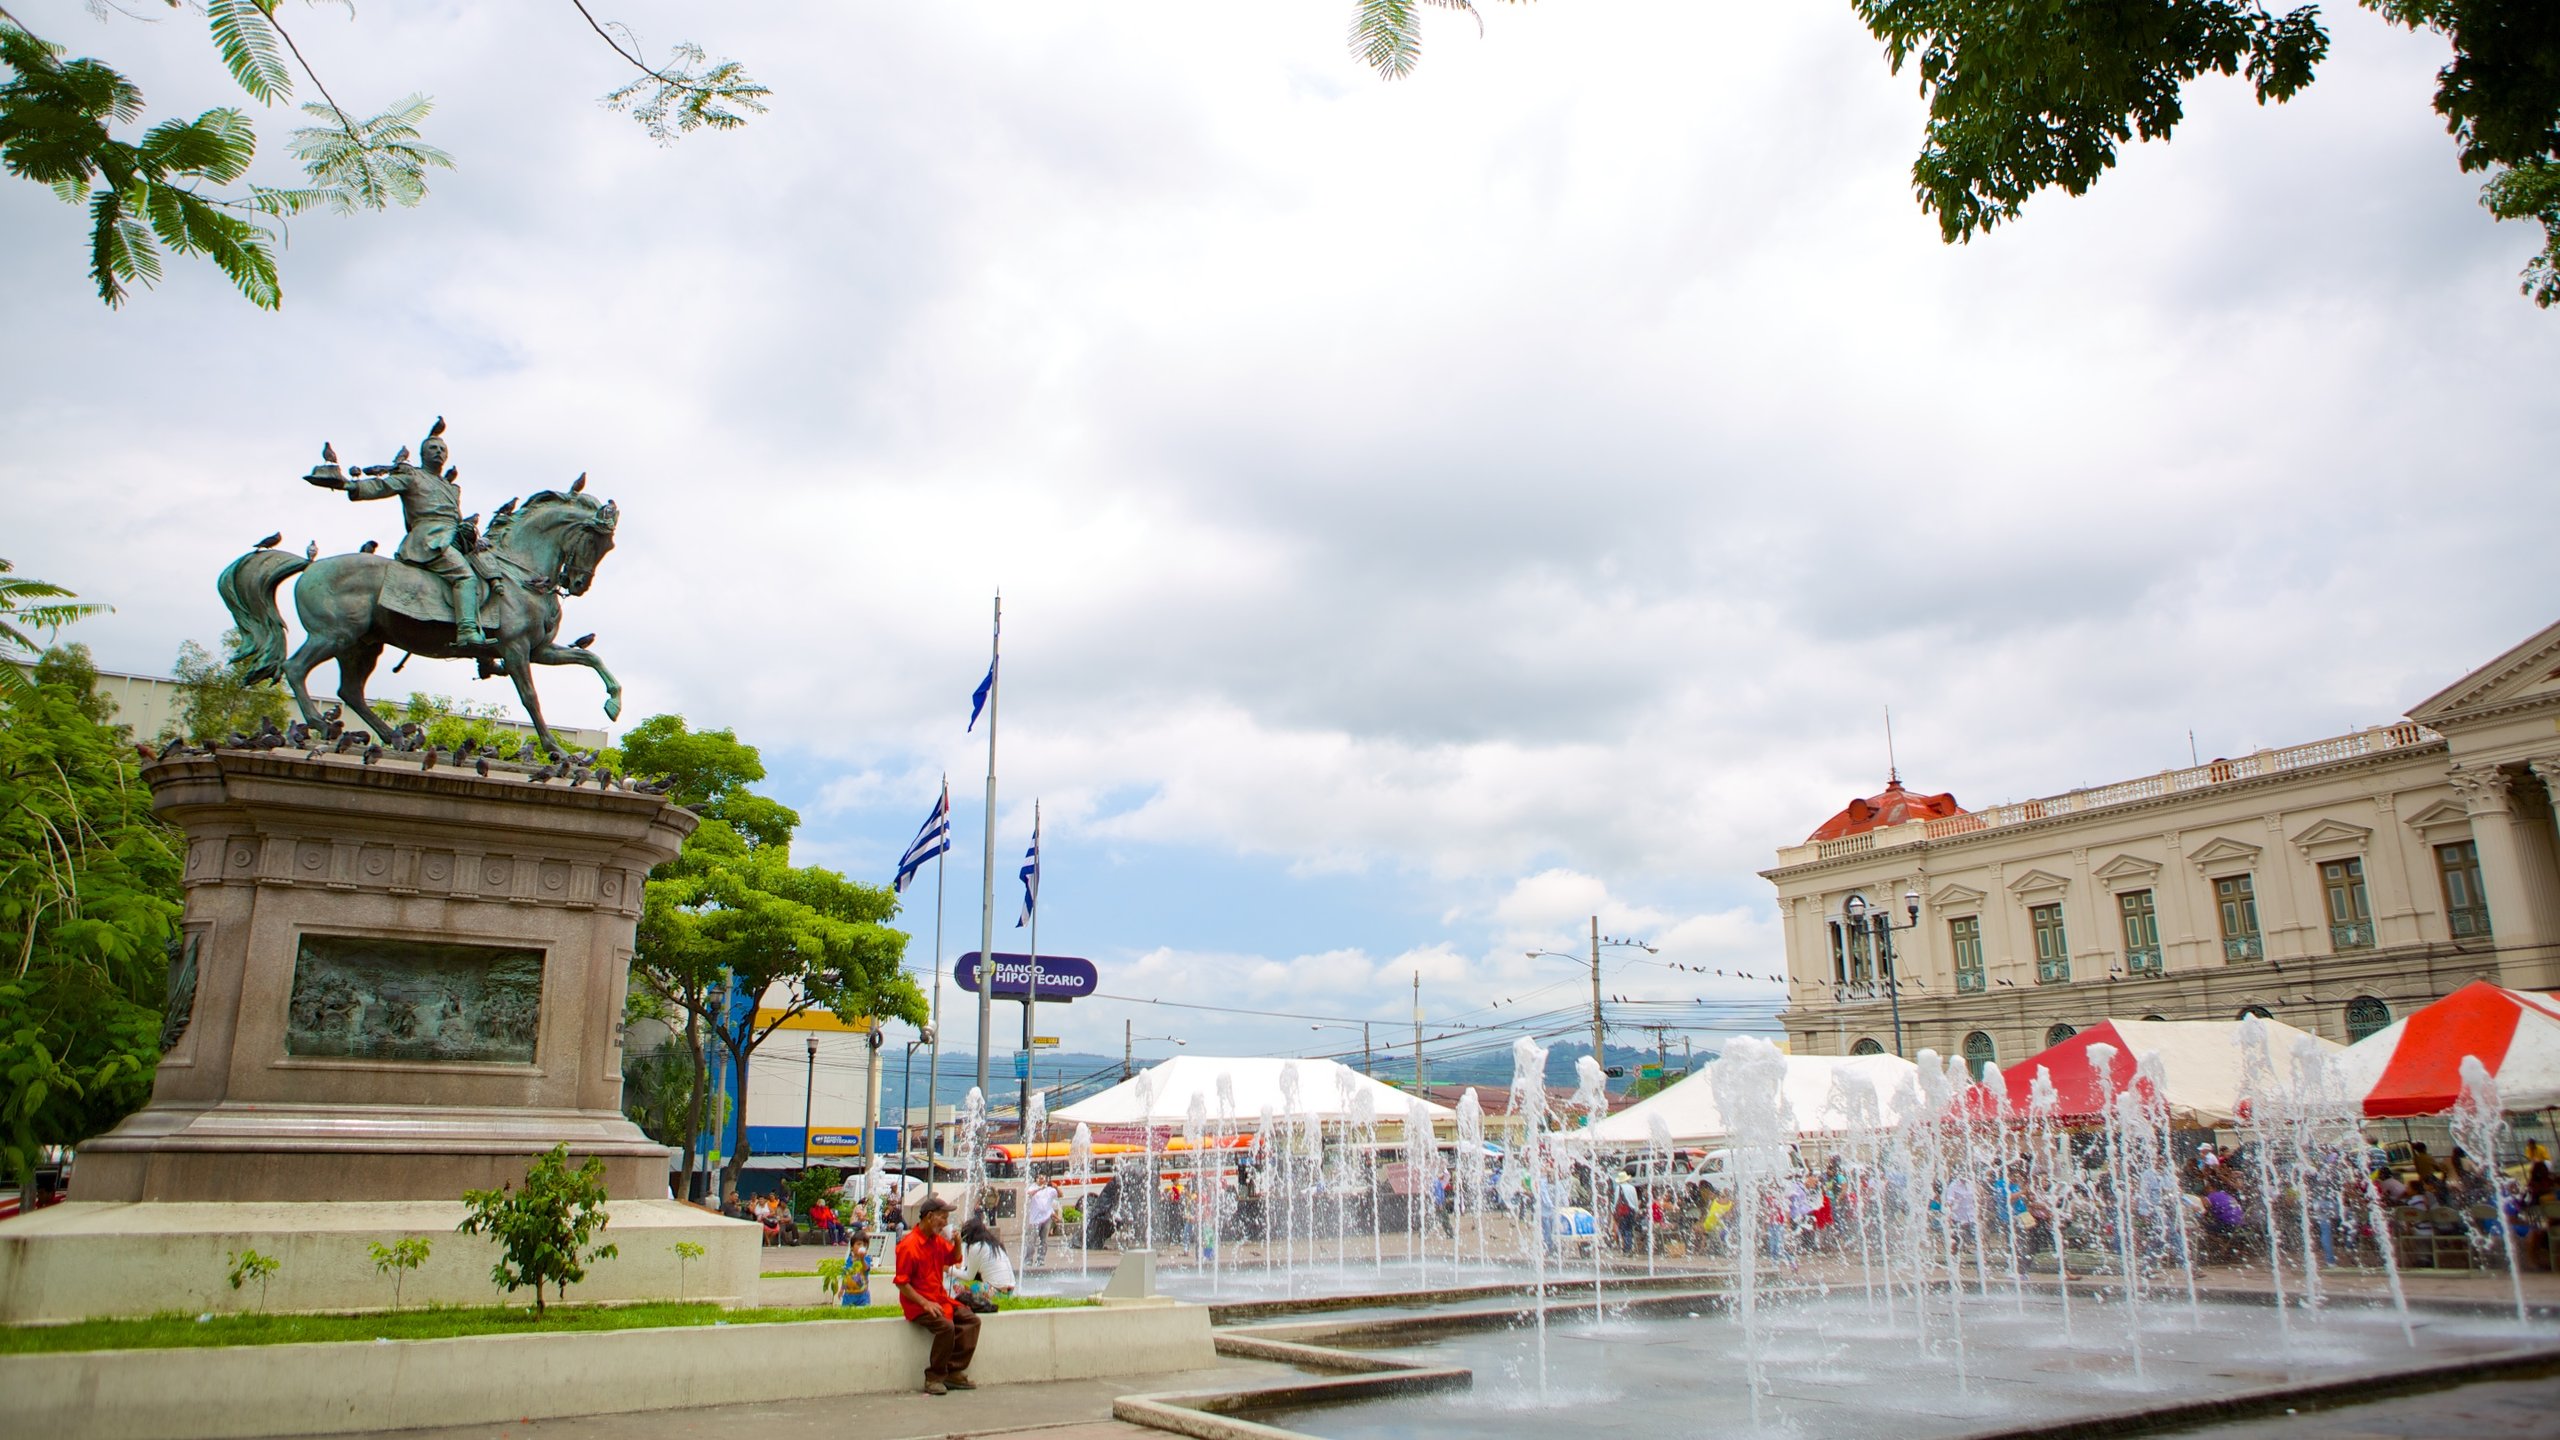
2333,885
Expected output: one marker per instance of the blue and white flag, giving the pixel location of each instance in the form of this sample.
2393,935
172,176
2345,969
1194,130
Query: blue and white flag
1031,872
934,839
978,701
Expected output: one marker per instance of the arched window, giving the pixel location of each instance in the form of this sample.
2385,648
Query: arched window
2365,1016
2261,1011
1978,1052
1866,1047
2058,1034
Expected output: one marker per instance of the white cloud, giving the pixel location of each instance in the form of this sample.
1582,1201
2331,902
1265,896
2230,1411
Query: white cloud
1523,486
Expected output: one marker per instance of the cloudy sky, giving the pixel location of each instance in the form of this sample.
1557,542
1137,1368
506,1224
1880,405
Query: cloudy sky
1428,514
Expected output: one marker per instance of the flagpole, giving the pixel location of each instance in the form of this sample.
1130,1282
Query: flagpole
933,1091
987,890
1031,990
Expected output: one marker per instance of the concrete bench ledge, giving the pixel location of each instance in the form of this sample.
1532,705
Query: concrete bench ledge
253,1390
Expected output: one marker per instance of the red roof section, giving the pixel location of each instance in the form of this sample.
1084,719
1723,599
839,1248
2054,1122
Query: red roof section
1892,806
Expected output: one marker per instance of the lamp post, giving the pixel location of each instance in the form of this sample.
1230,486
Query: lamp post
809,1104
1363,1028
1599,1033
1863,919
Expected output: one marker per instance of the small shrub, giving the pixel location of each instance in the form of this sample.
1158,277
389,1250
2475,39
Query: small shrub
398,1259
686,1250
248,1265
543,1229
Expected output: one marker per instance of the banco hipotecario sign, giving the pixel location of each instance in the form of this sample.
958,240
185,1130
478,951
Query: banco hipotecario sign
1062,977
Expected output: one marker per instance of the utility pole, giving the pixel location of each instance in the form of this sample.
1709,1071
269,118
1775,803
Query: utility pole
987,871
1364,1047
1128,1048
1417,1032
1599,1043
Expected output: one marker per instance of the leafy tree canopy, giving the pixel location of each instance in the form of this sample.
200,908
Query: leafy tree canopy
216,698
179,186
732,916
88,910
2032,95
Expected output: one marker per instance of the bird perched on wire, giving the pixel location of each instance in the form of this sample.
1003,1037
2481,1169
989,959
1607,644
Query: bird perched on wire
270,542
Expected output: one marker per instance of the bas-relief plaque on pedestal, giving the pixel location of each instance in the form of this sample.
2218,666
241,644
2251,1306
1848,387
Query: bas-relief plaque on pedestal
370,998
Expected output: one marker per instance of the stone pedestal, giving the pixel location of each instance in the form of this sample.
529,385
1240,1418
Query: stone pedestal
405,983
395,984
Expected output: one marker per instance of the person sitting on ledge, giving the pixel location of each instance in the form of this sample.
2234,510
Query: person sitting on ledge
923,1257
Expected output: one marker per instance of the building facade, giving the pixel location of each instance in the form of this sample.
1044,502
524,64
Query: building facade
2334,885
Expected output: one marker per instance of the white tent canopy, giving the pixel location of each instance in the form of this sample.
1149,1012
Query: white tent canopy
1689,1107
1325,1090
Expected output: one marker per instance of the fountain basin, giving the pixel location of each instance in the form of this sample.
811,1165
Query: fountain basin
1836,1368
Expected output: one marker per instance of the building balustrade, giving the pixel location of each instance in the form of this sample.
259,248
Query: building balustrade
2380,740
2144,961
2469,922
2352,935
2240,949
1970,982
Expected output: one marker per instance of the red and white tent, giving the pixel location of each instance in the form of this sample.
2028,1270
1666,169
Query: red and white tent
2200,1060
2414,1065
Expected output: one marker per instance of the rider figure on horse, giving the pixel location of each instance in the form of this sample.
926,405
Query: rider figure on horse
431,507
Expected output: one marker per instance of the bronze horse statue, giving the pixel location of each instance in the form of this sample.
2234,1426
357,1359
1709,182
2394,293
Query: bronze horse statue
353,606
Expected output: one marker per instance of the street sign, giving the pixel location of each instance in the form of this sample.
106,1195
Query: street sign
1062,977
1044,1042
1021,1064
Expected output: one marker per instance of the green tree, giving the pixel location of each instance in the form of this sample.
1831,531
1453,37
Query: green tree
736,936
178,186
2026,97
542,1230
29,608
2033,95
89,908
449,722
216,699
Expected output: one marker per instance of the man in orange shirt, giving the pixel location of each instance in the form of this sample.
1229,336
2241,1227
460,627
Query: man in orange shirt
923,1256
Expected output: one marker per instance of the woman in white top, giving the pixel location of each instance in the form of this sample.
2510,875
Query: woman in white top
983,1260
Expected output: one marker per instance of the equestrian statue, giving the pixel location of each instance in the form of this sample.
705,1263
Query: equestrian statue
447,592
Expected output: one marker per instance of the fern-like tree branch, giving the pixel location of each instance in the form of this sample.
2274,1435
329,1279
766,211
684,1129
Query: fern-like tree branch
675,101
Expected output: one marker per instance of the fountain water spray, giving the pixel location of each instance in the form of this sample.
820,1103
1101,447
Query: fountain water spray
2258,1096
2049,1176
1591,1097
1220,1221
1469,1178
1150,1182
1658,1135
1749,1083
973,1151
1418,1167
1035,1124
2118,1110
1195,1134
1080,1169
1529,1105
2479,1122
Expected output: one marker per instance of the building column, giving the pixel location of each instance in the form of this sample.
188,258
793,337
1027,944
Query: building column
2519,912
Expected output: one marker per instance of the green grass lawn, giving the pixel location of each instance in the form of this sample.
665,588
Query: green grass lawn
167,1331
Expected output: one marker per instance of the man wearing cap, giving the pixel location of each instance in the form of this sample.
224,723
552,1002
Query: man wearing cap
923,1257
